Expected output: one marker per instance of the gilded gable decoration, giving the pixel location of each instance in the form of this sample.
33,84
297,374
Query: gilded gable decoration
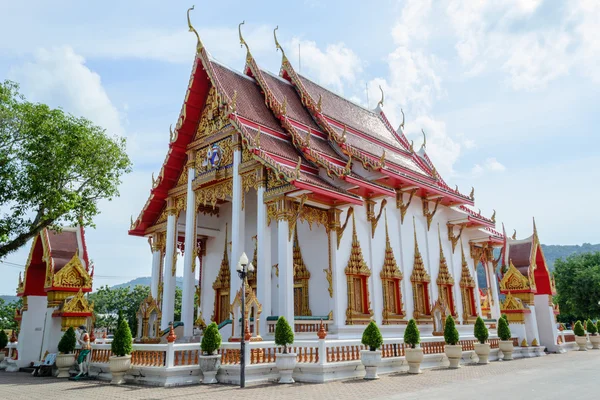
420,282
514,280
72,275
253,309
214,117
301,279
391,276
359,310
514,309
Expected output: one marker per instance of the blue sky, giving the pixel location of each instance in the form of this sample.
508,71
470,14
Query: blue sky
507,91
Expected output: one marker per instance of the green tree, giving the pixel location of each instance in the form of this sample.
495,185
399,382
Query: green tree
67,342
591,327
54,168
412,336
372,336
7,313
503,328
578,329
211,341
284,336
122,344
112,301
450,332
578,286
3,339
481,331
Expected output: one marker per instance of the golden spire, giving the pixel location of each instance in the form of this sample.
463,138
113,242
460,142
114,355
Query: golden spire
444,277
224,275
390,268
419,274
300,271
199,45
242,41
380,104
277,45
466,280
356,264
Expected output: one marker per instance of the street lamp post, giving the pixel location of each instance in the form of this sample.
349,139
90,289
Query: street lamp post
243,268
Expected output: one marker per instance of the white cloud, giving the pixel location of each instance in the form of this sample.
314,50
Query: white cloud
490,165
60,78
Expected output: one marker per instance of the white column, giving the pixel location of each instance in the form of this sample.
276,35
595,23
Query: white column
156,254
494,308
263,269
375,280
237,225
187,295
168,306
286,271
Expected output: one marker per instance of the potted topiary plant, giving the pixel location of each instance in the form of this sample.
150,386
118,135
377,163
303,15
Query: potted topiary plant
413,354
66,357
209,360
371,358
594,337
482,349
285,362
3,343
452,349
506,344
580,337
121,346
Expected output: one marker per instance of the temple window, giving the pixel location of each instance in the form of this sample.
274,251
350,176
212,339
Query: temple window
390,281
357,273
221,288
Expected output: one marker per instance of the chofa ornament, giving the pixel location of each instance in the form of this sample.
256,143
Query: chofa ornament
214,154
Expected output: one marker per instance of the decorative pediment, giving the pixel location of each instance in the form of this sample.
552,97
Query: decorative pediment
77,304
466,280
214,117
149,306
73,275
356,263
512,303
390,268
251,300
514,280
419,274
444,277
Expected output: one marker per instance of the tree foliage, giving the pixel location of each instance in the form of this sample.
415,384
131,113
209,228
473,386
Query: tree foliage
412,336
54,168
284,336
591,327
3,339
504,332
211,341
7,313
68,341
122,343
371,336
578,329
481,331
450,332
578,286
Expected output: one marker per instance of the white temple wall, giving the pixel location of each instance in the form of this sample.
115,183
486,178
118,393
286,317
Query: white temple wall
313,245
274,271
32,330
214,255
377,257
363,233
250,225
52,332
546,322
340,289
467,235
531,327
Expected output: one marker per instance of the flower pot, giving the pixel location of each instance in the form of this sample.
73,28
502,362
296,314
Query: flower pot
483,352
64,362
371,360
285,364
414,358
507,347
209,365
118,367
581,342
595,340
454,354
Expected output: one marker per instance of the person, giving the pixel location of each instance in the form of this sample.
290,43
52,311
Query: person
86,347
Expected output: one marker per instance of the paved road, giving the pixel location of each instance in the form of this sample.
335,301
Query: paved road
564,376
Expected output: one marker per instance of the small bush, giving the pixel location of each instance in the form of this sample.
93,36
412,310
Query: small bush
598,326
284,336
578,329
372,336
412,336
3,339
503,329
122,344
505,317
211,341
68,341
591,327
450,332
481,331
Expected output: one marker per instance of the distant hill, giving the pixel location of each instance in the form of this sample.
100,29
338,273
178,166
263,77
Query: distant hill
145,281
9,299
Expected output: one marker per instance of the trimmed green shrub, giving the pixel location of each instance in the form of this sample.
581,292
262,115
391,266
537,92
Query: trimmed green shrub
598,326
505,317
284,336
591,328
211,341
481,331
578,329
412,336
3,339
450,332
372,336
68,341
503,329
122,344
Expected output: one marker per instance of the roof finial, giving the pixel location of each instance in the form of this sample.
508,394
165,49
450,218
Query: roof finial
456,188
412,146
297,169
320,103
191,29
534,227
380,104
284,106
257,138
344,134
514,236
424,138
402,124
277,45
494,216
382,159
348,167
472,194
242,41
308,138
